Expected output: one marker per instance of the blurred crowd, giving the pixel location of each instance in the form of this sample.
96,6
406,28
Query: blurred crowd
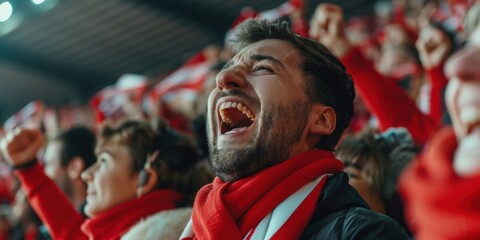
411,149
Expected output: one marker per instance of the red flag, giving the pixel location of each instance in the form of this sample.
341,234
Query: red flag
107,102
298,25
190,76
245,13
278,12
29,116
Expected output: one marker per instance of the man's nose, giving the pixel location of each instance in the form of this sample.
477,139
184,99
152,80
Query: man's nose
465,64
234,77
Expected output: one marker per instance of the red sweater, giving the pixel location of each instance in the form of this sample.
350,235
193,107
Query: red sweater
391,104
51,205
64,222
438,81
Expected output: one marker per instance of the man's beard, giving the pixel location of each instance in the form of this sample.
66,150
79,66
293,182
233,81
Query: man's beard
282,126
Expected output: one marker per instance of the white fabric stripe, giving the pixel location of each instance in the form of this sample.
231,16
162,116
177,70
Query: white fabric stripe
188,231
283,211
274,220
261,228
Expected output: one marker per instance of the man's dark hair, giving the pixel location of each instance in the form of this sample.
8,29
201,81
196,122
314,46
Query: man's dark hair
77,141
327,80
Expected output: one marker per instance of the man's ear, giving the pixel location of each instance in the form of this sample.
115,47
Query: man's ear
75,167
322,119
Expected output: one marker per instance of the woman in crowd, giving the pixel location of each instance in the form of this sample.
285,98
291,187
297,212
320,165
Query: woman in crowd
141,178
373,163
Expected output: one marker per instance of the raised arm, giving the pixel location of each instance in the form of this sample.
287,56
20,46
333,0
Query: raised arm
49,202
390,103
433,48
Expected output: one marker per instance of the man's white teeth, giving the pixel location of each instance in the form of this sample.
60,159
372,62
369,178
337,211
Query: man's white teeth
245,110
224,118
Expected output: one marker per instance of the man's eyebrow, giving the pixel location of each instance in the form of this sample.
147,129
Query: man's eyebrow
257,58
260,57
227,65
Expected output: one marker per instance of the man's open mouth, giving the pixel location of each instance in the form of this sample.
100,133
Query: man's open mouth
235,116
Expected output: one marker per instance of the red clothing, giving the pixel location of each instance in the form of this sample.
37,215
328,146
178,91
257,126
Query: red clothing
235,208
438,82
391,104
31,233
50,203
64,222
439,204
115,222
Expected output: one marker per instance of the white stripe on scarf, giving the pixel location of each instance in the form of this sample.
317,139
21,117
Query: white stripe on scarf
275,220
271,223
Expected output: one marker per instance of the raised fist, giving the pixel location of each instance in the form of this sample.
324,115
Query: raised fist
327,26
21,145
433,47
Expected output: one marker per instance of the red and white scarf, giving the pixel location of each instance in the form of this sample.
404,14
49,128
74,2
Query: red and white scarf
438,203
277,202
115,222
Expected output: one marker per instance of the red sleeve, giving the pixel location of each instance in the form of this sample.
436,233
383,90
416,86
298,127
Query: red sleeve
390,103
51,204
438,81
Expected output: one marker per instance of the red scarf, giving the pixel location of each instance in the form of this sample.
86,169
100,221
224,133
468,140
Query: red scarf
115,222
231,210
439,204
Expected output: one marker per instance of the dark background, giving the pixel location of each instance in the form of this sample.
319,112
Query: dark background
65,53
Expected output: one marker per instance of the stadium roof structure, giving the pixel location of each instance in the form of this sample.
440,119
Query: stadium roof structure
72,50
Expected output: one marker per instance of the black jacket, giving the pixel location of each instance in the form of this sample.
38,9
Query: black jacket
342,214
